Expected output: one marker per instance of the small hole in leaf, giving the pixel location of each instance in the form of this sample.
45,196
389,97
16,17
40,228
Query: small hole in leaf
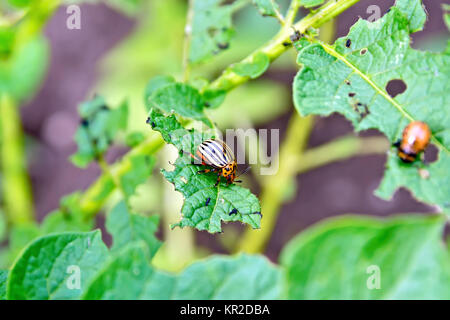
363,51
223,45
395,87
430,154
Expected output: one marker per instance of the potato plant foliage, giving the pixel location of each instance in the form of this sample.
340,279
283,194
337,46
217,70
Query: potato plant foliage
331,260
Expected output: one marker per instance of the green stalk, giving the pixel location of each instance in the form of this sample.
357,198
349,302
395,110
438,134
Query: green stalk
93,199
15,181
275,47
274,186
340,149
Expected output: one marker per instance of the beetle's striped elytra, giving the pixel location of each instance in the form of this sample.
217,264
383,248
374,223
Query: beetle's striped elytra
217,155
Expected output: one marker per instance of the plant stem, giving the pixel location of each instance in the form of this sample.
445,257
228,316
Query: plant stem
275,47
340,149
292,13
106,169
95,196
187,40
15,181
274,186
179,244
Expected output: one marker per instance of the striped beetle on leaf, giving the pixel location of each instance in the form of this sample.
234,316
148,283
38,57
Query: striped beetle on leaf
219,157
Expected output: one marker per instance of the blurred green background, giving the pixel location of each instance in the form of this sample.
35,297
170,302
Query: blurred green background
120,47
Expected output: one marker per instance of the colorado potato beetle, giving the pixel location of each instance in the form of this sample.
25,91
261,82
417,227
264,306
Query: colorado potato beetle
217,155
415,139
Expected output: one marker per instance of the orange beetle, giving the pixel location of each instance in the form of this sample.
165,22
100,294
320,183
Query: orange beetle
415,139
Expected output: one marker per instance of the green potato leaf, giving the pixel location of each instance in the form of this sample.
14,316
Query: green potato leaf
254,68
98,128
141,169
69,217
224,278
414,11
211,28
19,237
267,7
127,227
24,68
2,225
129,276
310,3
3,278
43,271
351,77
365,258
205,206
168,96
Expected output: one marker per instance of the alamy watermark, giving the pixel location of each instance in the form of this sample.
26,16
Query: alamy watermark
250,146
73,281
73,21
374,280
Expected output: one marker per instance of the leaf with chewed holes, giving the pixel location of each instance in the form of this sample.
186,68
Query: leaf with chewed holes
211,28
98,128
351,77
205,205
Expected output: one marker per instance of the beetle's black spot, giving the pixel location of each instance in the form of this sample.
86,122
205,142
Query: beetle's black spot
348,43
207,201
351,94
148,120
286,44
258,213
347,82
234,211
